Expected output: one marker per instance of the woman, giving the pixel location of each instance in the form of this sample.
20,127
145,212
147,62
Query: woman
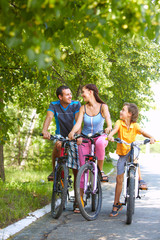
93,113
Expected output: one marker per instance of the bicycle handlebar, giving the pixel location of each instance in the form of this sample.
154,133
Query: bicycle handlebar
89,136
62,139
135,143
57,137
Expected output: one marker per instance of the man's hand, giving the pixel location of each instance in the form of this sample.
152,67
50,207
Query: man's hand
71,135
46,135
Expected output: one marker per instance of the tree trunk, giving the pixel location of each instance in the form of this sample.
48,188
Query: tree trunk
2,172
29,136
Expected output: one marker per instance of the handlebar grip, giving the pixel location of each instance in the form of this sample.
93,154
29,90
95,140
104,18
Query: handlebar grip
118,140
85,141
146,141
51,137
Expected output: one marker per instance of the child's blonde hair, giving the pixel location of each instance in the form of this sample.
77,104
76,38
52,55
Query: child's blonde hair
132,108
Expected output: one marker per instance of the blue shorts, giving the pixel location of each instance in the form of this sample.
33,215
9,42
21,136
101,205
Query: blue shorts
121,163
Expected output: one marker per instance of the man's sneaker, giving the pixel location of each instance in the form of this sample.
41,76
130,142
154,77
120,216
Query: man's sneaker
50,177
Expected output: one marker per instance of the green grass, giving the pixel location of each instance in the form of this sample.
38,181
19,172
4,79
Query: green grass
107,167
25,191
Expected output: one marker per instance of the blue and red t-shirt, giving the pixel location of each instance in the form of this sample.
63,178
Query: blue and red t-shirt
65,117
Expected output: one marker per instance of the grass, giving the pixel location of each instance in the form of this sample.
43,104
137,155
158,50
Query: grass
25,191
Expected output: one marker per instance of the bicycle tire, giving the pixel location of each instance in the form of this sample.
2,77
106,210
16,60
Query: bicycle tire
90,204
59,193
130,196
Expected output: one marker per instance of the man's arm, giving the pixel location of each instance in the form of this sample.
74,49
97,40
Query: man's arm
48,119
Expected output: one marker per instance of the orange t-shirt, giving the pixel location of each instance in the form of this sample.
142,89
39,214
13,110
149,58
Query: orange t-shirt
128,135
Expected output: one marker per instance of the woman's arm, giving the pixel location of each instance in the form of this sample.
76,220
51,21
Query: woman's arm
78,124
106,115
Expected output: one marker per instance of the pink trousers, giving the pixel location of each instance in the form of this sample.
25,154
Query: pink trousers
84,149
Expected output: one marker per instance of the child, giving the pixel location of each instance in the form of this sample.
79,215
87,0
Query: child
127,129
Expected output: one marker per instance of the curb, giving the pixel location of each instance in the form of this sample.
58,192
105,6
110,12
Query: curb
14,228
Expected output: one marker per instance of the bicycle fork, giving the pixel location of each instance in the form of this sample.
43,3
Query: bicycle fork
136,177
93,177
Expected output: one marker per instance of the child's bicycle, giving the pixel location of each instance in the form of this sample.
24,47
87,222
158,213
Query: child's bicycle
131,177
62,180
88,185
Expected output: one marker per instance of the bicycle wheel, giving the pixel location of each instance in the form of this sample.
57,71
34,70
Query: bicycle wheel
59,193
130,196
89,203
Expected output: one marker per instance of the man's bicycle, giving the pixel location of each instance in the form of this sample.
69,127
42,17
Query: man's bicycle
131,177
88,185
62,180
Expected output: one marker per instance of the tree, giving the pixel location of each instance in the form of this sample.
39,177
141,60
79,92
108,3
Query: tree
37,28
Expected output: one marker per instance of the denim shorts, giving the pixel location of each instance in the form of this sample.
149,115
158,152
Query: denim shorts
121,163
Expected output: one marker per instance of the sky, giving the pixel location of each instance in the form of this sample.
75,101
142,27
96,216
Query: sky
153,125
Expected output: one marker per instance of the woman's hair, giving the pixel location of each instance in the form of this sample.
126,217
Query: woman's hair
132,108
94,88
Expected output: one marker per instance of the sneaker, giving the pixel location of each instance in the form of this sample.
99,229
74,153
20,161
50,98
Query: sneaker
50,177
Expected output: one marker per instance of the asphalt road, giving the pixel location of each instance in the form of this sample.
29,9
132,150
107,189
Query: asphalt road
70,226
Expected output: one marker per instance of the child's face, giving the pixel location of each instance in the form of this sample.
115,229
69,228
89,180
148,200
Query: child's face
124,114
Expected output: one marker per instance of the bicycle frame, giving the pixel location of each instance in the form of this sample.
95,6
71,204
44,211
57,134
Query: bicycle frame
92,160
131,164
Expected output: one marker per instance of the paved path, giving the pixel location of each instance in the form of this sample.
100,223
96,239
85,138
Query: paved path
70,226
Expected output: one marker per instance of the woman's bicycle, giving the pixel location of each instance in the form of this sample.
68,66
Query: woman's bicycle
131,177
88,185
62,180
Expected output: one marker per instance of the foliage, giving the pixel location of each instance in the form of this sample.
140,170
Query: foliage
132,71
124,74
37,28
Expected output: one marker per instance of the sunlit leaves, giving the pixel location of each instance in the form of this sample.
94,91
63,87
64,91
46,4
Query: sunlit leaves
31,22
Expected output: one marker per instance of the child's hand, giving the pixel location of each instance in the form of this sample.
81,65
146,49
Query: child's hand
110,138
152,140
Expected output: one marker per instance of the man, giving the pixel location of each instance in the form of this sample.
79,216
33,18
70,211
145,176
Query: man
65,111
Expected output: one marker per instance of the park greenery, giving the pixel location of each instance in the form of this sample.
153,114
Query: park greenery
47,43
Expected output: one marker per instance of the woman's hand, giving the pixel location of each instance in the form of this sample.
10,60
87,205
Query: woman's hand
107,130
79,141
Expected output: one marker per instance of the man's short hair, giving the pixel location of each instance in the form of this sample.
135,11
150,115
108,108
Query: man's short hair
60,89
